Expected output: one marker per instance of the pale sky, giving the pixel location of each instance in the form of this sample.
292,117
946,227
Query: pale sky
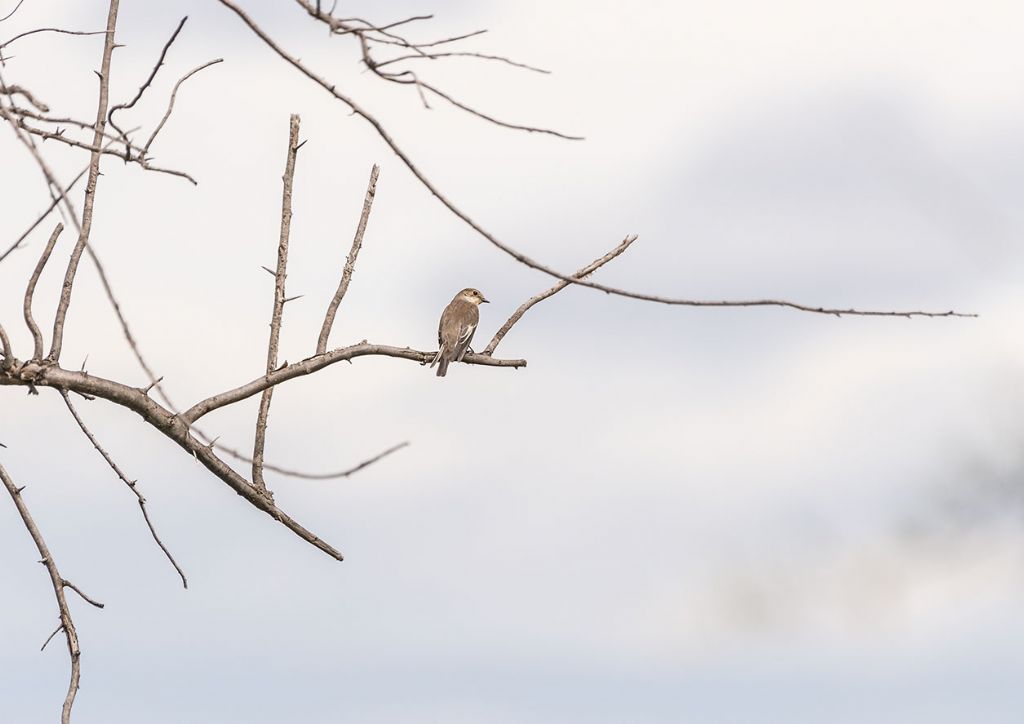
672,514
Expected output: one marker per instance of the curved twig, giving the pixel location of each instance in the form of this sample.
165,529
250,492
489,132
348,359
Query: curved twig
132,484
585,271
144,86
37,335
170,103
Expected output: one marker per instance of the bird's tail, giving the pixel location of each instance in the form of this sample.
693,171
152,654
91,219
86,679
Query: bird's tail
442,367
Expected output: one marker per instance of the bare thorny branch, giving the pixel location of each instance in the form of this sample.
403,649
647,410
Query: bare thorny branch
279,302
179,425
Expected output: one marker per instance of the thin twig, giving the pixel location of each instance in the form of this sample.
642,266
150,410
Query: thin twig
479,114
132,486
60,627
51,30
58,582
144,86
350,262
523,258
90,188
8,15
584,272
464,54
170,104
279,301
343,473
68,584
37,335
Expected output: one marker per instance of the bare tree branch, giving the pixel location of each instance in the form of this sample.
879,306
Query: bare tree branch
90,188
518,255
143,87
61,31
17,90
343,473
170,103
10,14
585,271
482,56
59,583
318,362
279,301
42,217
132,484
350,262
37,336
52,375
68,584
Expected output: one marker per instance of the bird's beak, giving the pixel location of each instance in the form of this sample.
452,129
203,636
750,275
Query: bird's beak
484,301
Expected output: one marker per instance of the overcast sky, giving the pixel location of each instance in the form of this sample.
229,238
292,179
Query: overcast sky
671,514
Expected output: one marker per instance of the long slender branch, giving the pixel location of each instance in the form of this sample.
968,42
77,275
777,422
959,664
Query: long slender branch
90,187
59,583
132,484
302,474
144,86
279,301
518,255
344,473
37,335
60,31
350,262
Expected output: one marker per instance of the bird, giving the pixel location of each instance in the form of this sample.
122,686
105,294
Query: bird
455,331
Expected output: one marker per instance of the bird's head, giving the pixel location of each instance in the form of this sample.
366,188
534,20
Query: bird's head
473,296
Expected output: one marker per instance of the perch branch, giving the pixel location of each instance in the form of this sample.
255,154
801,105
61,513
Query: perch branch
168,424
318,362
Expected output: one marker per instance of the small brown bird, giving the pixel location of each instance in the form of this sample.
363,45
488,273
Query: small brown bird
455,332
